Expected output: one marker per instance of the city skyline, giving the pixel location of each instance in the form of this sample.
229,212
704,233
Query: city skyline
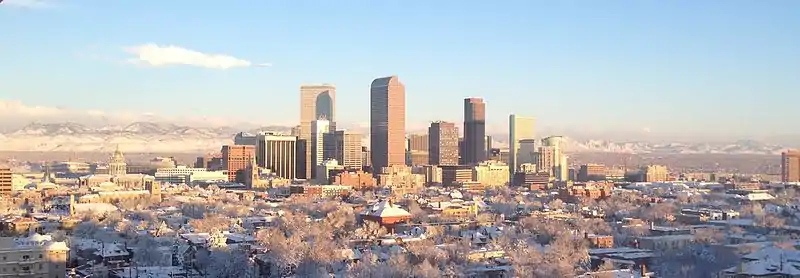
668,92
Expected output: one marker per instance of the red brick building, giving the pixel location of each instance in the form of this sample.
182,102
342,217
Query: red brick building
236,159
358,179
386,213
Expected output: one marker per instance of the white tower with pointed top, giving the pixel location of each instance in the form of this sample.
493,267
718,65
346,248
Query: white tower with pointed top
117,165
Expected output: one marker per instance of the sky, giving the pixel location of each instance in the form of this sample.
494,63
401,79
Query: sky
646,69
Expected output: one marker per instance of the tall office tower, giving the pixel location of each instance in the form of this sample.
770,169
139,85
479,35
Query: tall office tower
443,144
387,122
560,168
545,160
345,147
417,149
316,102
235,159
519,128
790,166
474,131
278,153
318,130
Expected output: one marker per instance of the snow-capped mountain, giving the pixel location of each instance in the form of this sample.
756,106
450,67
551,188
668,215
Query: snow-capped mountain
134,137
737,147
166,137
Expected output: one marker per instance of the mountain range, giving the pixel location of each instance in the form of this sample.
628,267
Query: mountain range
156,137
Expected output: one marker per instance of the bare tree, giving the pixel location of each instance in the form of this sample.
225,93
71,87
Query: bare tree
371,230
210,224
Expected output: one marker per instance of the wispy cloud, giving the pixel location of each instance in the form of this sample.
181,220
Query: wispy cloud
159,56
28,4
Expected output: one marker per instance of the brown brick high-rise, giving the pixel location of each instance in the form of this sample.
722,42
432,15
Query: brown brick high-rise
790,166
235,159
387,122
474,131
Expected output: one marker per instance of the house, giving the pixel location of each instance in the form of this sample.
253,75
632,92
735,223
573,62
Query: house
386,214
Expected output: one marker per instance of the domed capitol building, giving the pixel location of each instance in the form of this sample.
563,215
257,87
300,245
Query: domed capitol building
118,176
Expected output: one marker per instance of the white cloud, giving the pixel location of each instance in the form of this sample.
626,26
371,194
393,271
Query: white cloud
28,4
158,56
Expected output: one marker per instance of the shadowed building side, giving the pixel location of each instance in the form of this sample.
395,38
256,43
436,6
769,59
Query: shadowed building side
474,131
387,122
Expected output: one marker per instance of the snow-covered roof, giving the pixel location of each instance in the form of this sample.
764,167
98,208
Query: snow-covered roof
385,208
56,246
95,207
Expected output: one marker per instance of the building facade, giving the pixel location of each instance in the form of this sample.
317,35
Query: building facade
418,149
244,138
520,128
34,256
6,181
117,165
790,166
316,102
443,143
656,173
235,159
592,172
491,173
345,147
387,122
559,159
319,128
278,153
474,130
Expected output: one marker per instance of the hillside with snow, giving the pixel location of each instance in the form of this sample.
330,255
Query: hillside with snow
165,137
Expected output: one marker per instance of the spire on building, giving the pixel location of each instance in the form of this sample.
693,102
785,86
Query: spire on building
117,165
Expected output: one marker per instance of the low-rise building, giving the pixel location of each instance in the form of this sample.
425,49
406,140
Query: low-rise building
358,179
6,181
33,256
491,173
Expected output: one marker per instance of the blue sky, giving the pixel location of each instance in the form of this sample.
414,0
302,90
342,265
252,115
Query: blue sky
677,68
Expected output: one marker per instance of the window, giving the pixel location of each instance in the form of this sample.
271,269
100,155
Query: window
40,256
26,257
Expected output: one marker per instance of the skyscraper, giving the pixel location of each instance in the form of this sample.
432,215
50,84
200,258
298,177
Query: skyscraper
278,153
560,168
318,130
519,128
417,153
316,102
443,143
790,166
387,122
344,146
474,130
